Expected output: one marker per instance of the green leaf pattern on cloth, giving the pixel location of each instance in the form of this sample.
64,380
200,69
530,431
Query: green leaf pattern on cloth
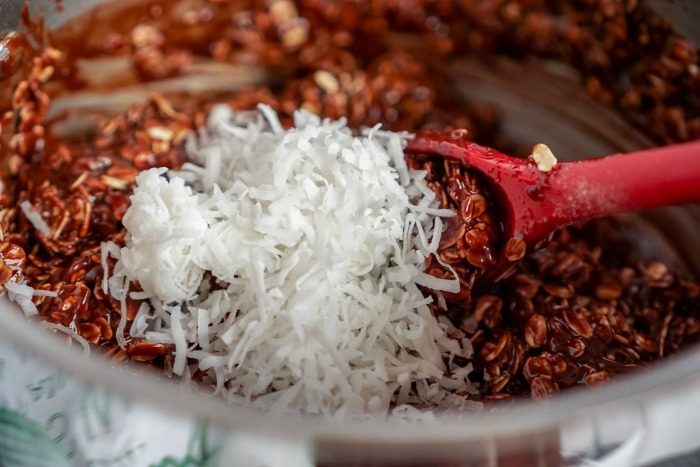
23,443
48,418
200,452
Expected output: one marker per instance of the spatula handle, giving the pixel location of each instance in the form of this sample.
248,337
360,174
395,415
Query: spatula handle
626,182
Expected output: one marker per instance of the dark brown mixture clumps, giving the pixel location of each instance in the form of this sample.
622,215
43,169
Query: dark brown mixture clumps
581,310
578,311
470,238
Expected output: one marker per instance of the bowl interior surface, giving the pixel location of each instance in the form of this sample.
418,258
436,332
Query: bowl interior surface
544,104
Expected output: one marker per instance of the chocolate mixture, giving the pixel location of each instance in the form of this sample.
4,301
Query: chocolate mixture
576,312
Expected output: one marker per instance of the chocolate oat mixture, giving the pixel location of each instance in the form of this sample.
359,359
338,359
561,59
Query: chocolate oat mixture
577,311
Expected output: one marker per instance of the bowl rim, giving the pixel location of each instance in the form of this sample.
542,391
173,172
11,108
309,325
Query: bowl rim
523,417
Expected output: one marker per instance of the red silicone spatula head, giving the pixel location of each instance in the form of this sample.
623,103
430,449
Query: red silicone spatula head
533,203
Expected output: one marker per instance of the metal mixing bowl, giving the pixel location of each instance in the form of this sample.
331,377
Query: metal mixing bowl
622,423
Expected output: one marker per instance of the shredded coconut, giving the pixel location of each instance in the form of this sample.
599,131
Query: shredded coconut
70,332
286,264
34,217
21,293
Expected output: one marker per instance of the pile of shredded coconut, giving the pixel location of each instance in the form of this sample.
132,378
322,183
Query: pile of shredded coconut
285,264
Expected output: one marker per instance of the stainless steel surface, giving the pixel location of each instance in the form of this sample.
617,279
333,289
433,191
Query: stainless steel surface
683,14
536,431
9,14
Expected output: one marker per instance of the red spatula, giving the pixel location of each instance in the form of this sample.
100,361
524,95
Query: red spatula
532,203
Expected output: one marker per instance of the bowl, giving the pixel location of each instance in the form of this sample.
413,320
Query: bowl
95,411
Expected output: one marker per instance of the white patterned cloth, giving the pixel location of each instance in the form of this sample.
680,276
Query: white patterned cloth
49,419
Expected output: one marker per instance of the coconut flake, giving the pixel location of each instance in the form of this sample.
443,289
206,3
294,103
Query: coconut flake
179,338
70,332
21,293
34,217
107,249
141,321
44,293
15,289
26,304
